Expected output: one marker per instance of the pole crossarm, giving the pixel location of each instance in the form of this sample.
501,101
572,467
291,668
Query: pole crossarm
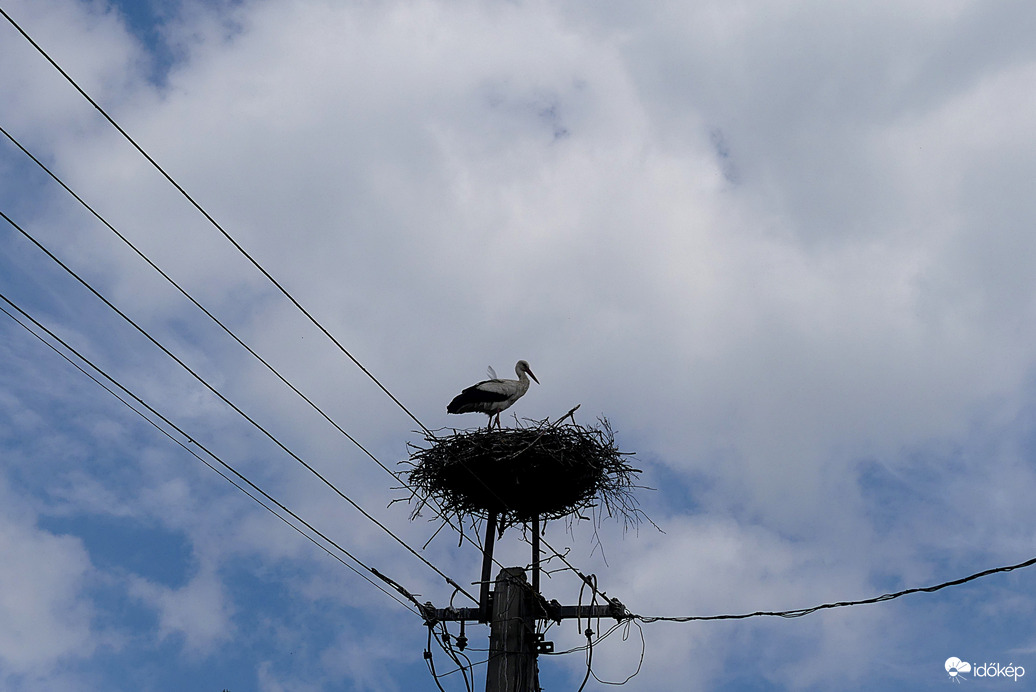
552,611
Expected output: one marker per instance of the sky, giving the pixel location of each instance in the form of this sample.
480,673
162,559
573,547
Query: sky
786,248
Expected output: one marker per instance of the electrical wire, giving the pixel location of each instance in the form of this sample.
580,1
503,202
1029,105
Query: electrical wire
446,645
599,639
430,659
589,657
128,393
640,663
840,604
232,405
454,671
466,669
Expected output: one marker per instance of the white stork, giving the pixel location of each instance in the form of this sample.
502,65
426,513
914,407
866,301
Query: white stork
493,396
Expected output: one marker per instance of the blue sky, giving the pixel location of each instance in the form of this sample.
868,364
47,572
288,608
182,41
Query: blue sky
785,247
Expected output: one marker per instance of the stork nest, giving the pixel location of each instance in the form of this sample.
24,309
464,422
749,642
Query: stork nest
540,469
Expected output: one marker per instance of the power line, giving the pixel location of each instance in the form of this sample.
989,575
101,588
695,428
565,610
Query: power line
232,405
212,220
840,604
395,585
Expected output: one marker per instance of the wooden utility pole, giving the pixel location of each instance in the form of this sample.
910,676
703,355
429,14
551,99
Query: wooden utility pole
514,645
512,635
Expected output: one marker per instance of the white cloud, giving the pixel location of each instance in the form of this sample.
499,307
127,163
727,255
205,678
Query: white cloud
44,607
198,612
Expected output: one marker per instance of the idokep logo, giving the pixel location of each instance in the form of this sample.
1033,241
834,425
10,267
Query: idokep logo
954,667
957,669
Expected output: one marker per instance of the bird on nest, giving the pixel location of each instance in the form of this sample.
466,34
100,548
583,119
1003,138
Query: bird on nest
493,396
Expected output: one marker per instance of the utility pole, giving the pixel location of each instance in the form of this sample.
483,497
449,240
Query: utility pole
512,635
514,645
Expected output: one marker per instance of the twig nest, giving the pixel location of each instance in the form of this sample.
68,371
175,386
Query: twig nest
519,473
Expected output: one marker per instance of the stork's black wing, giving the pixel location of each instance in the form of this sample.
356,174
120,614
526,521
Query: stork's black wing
477,395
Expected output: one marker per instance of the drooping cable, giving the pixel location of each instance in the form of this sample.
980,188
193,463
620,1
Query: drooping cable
447,646
430,659
640,663
589,657
840,604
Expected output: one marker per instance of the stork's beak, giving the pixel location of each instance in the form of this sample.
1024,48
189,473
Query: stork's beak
532,376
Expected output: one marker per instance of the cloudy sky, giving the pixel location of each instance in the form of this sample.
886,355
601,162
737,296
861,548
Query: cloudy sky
787,248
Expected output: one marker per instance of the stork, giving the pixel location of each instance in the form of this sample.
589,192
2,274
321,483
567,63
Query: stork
493,396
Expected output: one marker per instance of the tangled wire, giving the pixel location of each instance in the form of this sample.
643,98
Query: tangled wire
537,469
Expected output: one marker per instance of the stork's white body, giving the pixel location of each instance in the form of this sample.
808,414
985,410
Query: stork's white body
493,396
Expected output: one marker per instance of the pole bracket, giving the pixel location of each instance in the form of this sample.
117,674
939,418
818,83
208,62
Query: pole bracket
542,647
